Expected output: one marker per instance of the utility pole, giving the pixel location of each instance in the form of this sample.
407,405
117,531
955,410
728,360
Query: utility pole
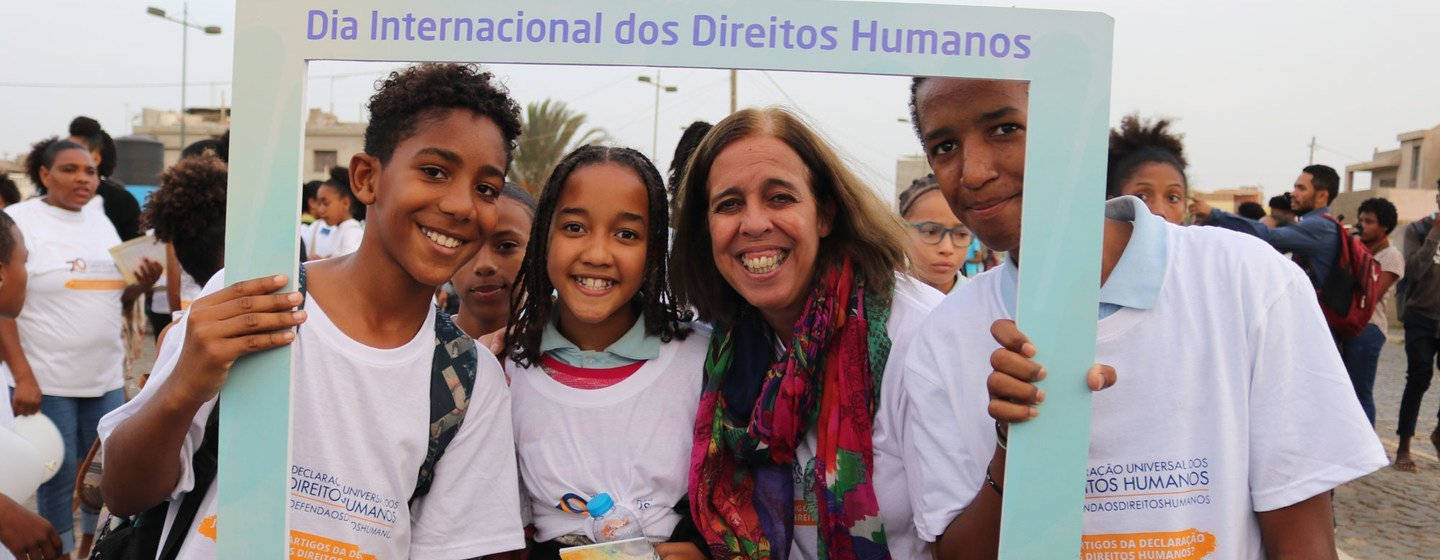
1312,151
732,90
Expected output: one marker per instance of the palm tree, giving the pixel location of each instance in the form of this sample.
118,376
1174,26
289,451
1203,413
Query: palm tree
550,133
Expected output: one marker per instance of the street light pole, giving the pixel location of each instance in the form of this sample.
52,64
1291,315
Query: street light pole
655,128
185,25
184,66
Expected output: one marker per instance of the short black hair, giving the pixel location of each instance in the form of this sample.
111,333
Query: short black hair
1250,209
1137,142
915,109
188,212
531,304
686,146
308,191
42,154
1280,202
407,98
9,192
1324,177
1383,210
206,147
95,137
340,181
222,147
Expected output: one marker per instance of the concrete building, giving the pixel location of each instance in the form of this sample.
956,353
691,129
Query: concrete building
1406,176
907,170
1229,199
328,140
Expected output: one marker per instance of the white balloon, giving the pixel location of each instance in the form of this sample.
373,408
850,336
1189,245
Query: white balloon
22,470
42,433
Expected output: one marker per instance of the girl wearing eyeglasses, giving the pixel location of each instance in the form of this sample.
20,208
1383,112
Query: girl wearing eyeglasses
938,241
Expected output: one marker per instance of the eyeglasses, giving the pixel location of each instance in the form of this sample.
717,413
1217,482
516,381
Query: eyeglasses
932,234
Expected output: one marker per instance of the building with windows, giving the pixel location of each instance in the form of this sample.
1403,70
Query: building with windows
328,140
1406,176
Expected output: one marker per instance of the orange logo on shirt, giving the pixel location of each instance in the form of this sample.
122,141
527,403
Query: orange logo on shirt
1190,544
100,285
207,528
305,546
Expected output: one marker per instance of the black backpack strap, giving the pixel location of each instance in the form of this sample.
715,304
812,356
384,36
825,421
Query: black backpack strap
204,464
452,378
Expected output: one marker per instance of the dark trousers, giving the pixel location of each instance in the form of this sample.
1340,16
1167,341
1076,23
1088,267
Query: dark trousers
1421,349
1361,355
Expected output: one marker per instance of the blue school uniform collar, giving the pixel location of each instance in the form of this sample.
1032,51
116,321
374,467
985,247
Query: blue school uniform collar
1135,280
634,346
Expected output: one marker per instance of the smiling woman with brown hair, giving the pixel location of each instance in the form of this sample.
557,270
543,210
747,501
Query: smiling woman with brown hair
794,447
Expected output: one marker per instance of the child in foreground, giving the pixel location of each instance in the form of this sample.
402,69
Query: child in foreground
436,151
604,378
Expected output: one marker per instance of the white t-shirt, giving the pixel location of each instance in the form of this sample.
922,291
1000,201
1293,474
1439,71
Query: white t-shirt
911,302
71,327
631,440
189,290
1231,400
334,241
1390,261
354,465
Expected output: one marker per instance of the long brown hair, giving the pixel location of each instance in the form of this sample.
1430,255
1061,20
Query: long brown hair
863,227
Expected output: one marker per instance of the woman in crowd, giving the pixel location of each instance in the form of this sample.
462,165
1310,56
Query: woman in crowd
1148,161
933,260
796,443
120,206
65,355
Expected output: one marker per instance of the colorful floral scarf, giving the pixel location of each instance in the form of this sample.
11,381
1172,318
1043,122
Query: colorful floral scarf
754,413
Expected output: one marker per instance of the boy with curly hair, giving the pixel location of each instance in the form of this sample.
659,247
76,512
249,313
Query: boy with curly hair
440,139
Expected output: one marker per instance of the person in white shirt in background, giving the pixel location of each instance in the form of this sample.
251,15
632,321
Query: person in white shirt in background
341,221
1377,218
929,221
22,534
65,357
1233,418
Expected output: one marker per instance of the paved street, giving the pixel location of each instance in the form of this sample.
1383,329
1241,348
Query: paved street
1392,514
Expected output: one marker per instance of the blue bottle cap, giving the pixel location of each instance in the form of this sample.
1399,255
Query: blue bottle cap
600,505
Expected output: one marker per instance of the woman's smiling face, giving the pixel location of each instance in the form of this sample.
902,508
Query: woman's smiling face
765,224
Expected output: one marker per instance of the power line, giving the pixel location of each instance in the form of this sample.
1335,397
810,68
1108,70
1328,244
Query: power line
144,85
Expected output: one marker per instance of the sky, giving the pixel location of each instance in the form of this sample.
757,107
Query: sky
1247,82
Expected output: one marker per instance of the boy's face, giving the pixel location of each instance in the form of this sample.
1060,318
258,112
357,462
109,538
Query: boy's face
431,204
1370,229
973,132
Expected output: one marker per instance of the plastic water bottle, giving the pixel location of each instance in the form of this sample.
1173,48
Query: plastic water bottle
610,522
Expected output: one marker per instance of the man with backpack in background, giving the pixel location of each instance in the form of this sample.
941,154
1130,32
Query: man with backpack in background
1312,239
1418,300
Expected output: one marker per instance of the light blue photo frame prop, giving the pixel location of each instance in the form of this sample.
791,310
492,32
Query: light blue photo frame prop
1065,57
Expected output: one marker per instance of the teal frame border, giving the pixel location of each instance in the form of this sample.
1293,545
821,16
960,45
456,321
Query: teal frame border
1068,69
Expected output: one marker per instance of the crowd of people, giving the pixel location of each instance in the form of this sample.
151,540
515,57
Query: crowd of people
755,357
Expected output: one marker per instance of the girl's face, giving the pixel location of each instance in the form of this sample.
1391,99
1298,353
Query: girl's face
13,277
334,205
765,225
937,255
71,179
597,246
1162,187
486,282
